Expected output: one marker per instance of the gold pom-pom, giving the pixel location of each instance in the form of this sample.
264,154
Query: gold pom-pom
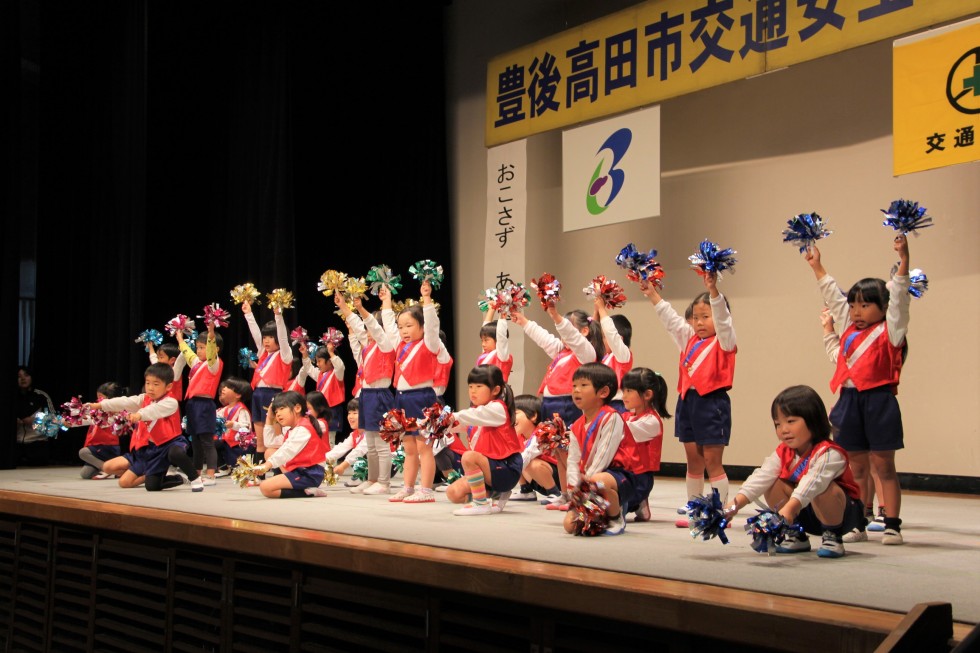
355,287
329,476
280,298
245,293
331,281
245,471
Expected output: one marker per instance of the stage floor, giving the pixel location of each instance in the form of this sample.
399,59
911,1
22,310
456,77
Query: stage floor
940,560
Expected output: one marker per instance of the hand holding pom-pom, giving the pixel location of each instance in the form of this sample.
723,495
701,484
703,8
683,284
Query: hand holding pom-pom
355,287
246,471
552,435
640,266
331,281
549,289
280,298
214,314
245,356
150,336
906,217
710,259
49,424
768,530
245,292
427,271
74,412
380,275
804,230
394,424
610,292
589,508
706,517
298,336
332,338
437,422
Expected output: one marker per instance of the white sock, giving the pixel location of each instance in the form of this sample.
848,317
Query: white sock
695,486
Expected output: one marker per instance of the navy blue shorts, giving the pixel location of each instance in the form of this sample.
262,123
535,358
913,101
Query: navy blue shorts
625,485
152,460
704,420
304,477
563,405
504,472
137,464
642,486
853,518
554,475
104,452
261,399
413,402
202,416
373,404
868,420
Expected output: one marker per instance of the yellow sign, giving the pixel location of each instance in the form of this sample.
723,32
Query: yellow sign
936,98
664,48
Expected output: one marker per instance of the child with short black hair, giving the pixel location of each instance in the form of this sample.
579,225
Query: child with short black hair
541,472
353,446
101,442
494,344
599,447
327,370
202,385
169,354
235,395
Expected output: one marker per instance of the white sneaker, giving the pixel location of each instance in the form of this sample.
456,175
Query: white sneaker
891,536
197,485
352,483
101,476
855,536
682,510
209,480
474,509
377,488
402,494
616,526
360,487
315,492
794,544
224,471
525,496
831,546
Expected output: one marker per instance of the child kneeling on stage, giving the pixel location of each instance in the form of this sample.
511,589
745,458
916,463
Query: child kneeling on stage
302,454
807,479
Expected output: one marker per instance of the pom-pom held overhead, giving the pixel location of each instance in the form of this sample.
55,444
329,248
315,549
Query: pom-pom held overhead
552,434
148,337
280,298
589,509
906,217
706,517
183,324
298,336
506,300
548,288
768,530
437,422
805,229
214,314
710,258
245,355
640,266
611,292
331,281
394,424
355,287
245,292
49,424
332,337
427,270
380,275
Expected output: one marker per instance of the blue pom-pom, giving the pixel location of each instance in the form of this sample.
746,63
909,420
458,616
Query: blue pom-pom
49,424
709,258
768,530
219,427
150,336
805,229
706,517
640,266
919,283
245,355
906,216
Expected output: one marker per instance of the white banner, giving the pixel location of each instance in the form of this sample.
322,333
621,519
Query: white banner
504,241
611,170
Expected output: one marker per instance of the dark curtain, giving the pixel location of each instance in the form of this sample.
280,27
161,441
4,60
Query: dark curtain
186,148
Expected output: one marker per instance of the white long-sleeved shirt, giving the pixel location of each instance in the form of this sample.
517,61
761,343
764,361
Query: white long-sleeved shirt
605,444
282,337
568,336
681,331
823,470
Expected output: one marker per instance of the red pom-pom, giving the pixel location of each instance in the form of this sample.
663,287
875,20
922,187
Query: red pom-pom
548,290
437,422
612,293
552,434
590,509
394,424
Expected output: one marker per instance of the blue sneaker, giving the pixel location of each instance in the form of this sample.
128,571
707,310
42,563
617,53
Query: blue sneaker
878,524
794,544
831,546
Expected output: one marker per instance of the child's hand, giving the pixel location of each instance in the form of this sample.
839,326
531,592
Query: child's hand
812,257
277,310
330,350
180,336
711,283
426,291
902,247
359,304
650,291
246,308
135,417
827,320
94,405
600,308
518,317
553,312
210,330
304,350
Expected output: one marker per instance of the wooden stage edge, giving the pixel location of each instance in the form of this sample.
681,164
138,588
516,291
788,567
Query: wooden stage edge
791,623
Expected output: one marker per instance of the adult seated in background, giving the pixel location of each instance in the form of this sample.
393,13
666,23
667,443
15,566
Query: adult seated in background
32,446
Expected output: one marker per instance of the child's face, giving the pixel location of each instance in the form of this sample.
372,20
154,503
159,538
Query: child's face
163,358
323,364
352,419
289,415
202,349
585,397
864,314
792,431
100,397
155,387
409,328
481,394
270,344
634,401
227,396
702,321
488,344
524,424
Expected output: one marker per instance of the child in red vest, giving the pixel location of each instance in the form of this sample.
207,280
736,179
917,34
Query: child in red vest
645,398
302,454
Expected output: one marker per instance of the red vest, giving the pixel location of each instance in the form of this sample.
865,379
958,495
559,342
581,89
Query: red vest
609,360
231,426
331,387
441,379
376,364
313,453
491,358
558,377
705,366
625,457
870,360
177,389
497,442
786,455
158,432
97,436
271,369
201,382
416,363
647,452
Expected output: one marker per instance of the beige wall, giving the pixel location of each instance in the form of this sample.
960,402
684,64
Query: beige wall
737,162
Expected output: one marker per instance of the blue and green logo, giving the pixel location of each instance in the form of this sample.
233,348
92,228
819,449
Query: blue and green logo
617,144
